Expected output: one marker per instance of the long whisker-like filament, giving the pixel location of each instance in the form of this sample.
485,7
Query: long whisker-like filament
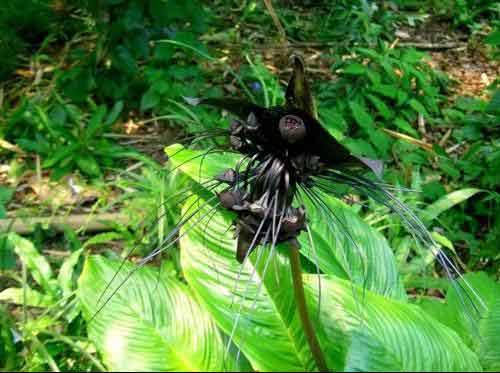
420,233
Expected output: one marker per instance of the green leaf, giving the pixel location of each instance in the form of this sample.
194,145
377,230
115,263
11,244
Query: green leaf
361,116
448,166
101,238
31,298
114,113
405,126
149,100
65,276
490,333
494,104
386,90
88,165
375,333
446,202
378,358
123,60
346,246
208,258
483,332
257,299
61,154
95,122
198,165
355,69
418,107
493,38
36,263
5,196
150,324
381,107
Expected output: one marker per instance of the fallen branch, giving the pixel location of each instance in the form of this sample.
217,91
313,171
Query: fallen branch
276,20
433,46
11,147
329,44
84,222
411,140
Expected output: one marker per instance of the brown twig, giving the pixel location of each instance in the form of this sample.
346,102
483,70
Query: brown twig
433,46
88,223
11,147
411,140
276,21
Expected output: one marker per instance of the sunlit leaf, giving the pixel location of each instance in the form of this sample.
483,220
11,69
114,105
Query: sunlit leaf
152,323
36,263
446,202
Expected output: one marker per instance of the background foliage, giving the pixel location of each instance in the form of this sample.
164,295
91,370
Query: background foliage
91,93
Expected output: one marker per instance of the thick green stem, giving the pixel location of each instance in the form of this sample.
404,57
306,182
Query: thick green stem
300,300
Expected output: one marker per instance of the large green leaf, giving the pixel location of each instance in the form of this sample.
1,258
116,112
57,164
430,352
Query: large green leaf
346,246
379,334
150,324
357,329
482,333
200,165
490,338
267,330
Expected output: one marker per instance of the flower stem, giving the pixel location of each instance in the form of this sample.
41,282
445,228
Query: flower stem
300,300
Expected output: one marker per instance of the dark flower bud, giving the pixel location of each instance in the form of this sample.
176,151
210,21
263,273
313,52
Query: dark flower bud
294,220
229,198
228,176
236,127
252,123
236,142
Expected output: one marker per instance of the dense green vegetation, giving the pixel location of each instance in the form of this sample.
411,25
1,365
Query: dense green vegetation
91,101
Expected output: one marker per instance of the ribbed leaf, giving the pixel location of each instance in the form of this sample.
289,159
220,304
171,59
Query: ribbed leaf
151,324
199,165
391,334
483,333
268,329
379,334
255,304
348,247
490,338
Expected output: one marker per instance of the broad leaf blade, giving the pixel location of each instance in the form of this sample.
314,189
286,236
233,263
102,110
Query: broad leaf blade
342,239
38,266
379,333
150,324
268,331
198,164
346,247
396,335
482,334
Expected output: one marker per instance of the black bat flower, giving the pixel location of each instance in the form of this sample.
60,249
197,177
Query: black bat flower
288,153
287,149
